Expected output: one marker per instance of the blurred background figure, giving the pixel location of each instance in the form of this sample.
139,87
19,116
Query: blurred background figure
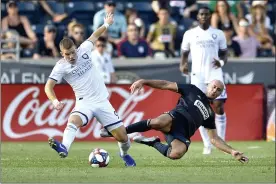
233,47
249,44
70,26
10,47
222,18
133,18
55,16
103,61
133,46
21,24
78,34
117,31
162,34
48,46
235,7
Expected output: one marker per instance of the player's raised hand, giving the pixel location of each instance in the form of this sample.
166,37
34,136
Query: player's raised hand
109,18
184,68
239,156
58,105
136,86
216,63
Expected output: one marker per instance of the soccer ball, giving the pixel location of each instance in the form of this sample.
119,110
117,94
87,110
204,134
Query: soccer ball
98,158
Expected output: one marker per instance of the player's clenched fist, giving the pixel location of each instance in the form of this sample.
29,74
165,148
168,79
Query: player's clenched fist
57,104
239,156
109,19
184,68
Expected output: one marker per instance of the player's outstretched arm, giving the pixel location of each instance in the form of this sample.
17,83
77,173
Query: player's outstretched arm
108,20
158,84
184,62
49,90
223,146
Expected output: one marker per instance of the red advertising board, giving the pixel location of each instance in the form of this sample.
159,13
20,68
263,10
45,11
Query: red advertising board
27,114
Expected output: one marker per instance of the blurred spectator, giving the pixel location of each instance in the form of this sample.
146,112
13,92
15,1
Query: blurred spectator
162,34
103,61
21,24
132,18
249,44
190,10
260,24
10,37
70,26
160,4
108,46
47,45
222,17
234,49
235,7
117,31
78,34
56,17
133,46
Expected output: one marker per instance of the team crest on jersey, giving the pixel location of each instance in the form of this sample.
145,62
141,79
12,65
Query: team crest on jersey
214,36
202,109
85,56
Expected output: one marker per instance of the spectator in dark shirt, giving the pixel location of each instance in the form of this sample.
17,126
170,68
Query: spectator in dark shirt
234,49
133,46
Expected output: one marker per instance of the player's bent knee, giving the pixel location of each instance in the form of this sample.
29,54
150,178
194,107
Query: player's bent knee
174,155
76,120
156,124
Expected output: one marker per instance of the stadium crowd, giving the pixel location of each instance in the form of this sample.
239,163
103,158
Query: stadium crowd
141,28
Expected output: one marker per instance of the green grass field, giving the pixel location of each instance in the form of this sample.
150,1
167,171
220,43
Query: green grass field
36,163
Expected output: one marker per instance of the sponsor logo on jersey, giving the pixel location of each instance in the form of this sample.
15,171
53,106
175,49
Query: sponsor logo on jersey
202,109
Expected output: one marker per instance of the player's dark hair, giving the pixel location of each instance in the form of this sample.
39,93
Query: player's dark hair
102,39
163,8
66,43
205,8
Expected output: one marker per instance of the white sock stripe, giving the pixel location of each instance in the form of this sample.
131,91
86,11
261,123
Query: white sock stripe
73,126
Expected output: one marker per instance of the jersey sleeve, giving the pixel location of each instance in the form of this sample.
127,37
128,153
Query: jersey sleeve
57,73
184,89
185,45
222,41
210,123
86,47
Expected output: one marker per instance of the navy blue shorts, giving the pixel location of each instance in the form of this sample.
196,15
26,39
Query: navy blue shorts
179,127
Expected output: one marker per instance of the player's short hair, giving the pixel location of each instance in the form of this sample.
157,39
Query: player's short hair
163,8
205,8
77,25
102,39
66,43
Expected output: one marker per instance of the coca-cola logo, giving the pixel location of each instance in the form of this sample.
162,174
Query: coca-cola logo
27,108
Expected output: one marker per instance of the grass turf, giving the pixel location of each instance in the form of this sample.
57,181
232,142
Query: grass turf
36,162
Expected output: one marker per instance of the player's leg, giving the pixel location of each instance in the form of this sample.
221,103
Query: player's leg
108,117
220,118
80,116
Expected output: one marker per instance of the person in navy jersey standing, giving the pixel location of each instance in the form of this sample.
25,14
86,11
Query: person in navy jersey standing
133,46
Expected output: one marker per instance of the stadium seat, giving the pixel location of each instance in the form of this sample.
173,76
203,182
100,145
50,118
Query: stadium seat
29,10
57,7
3,10
38,29
82,11
140,6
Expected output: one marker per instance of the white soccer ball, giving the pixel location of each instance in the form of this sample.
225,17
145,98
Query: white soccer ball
98,158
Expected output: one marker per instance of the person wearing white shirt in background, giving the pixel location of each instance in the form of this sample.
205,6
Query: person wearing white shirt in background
78,68
208,49
103,61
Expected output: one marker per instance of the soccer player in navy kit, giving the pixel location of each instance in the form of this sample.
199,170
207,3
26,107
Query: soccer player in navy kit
192,111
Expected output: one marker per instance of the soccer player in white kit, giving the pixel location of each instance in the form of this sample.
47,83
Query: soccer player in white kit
79,70
209,54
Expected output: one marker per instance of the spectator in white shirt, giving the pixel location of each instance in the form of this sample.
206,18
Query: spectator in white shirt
103,62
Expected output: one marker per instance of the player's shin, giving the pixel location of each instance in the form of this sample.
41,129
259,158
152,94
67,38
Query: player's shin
162,148
221,125
69,135
141,126
124,147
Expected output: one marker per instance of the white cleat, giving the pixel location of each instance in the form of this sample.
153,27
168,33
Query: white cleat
207,150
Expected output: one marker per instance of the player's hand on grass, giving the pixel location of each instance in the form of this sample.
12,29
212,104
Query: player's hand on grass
109,19
136,86
216,63
239,156
184,68
57,104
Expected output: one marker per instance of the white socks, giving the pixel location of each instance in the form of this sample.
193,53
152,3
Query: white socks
69,135
124,147
205,137
221,125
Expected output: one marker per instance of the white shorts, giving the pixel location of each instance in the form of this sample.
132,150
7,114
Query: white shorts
102,111
203,87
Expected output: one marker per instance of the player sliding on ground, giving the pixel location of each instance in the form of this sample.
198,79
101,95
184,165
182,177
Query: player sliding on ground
78,69
179,125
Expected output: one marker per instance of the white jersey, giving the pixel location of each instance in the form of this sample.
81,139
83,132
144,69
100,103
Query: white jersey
104,64
204,46
83,76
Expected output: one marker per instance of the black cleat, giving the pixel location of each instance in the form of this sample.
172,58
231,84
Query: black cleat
147,141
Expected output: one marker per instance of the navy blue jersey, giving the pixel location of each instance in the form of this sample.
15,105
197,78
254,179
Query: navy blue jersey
195,105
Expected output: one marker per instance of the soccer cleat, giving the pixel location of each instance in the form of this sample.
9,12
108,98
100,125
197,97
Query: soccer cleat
147,141
105,133
129,161
207,150
58,147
